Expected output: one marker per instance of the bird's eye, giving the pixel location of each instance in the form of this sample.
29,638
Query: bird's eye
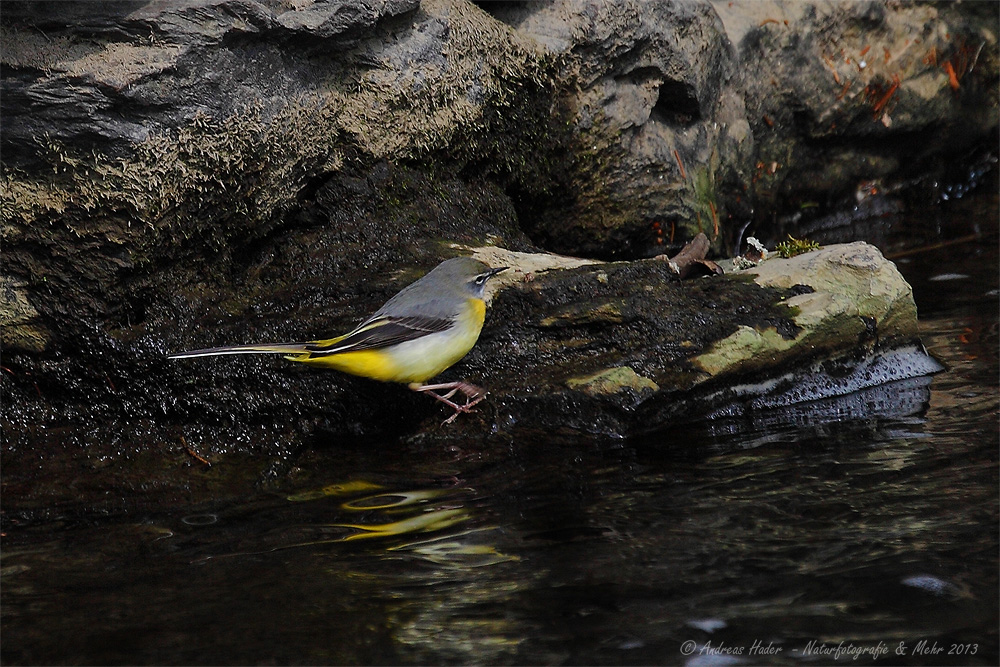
481,278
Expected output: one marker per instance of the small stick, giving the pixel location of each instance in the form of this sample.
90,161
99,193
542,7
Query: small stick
888,95
680,164
691,255
933,246
833,68
952,77
194,454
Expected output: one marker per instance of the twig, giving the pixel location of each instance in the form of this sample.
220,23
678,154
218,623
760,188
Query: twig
677,156
933,246
884,100
193,454
692,258
952,77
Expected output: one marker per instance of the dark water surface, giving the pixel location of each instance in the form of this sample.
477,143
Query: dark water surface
868,524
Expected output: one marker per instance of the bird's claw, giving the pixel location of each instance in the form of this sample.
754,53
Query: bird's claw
473,395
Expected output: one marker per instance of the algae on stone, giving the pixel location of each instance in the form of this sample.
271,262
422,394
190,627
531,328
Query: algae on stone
612,381
857,298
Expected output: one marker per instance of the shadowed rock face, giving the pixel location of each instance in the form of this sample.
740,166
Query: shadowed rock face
844,96
108,75
693,117
659,129
154,133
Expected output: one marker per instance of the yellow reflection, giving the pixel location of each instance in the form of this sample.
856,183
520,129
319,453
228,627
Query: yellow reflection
458,550
390,500
342,489
422,523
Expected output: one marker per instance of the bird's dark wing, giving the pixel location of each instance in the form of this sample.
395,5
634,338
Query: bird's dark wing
380,332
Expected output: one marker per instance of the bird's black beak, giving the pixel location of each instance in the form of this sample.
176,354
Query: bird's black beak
481,279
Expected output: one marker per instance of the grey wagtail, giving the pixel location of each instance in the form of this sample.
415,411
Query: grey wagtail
417,334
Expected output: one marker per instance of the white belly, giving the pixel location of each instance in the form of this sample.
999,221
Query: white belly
421,359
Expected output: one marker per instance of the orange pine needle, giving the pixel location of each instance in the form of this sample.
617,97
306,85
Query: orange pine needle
952,77
865,50
833,68
880,104
677,156
193,454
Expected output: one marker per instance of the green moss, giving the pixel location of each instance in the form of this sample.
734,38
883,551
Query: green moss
611,381
794,246
211,178
216,178
706,201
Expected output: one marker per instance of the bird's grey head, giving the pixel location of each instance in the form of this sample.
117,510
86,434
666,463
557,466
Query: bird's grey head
471,273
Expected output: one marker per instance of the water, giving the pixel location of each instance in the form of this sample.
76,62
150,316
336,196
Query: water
782,537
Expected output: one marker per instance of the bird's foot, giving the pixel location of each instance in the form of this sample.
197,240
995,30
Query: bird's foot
472,393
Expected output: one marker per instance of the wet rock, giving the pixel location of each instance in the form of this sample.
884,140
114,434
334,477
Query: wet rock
105,414
615,348
825,323
19,321
856,299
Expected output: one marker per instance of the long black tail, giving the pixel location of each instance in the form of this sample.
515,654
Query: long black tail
292,349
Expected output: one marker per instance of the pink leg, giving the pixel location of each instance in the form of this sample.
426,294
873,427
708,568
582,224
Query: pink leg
473,395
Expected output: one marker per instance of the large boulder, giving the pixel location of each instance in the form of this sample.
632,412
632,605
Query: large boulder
622,348
137,134
140,133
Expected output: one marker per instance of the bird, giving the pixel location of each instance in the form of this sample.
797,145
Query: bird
416,335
